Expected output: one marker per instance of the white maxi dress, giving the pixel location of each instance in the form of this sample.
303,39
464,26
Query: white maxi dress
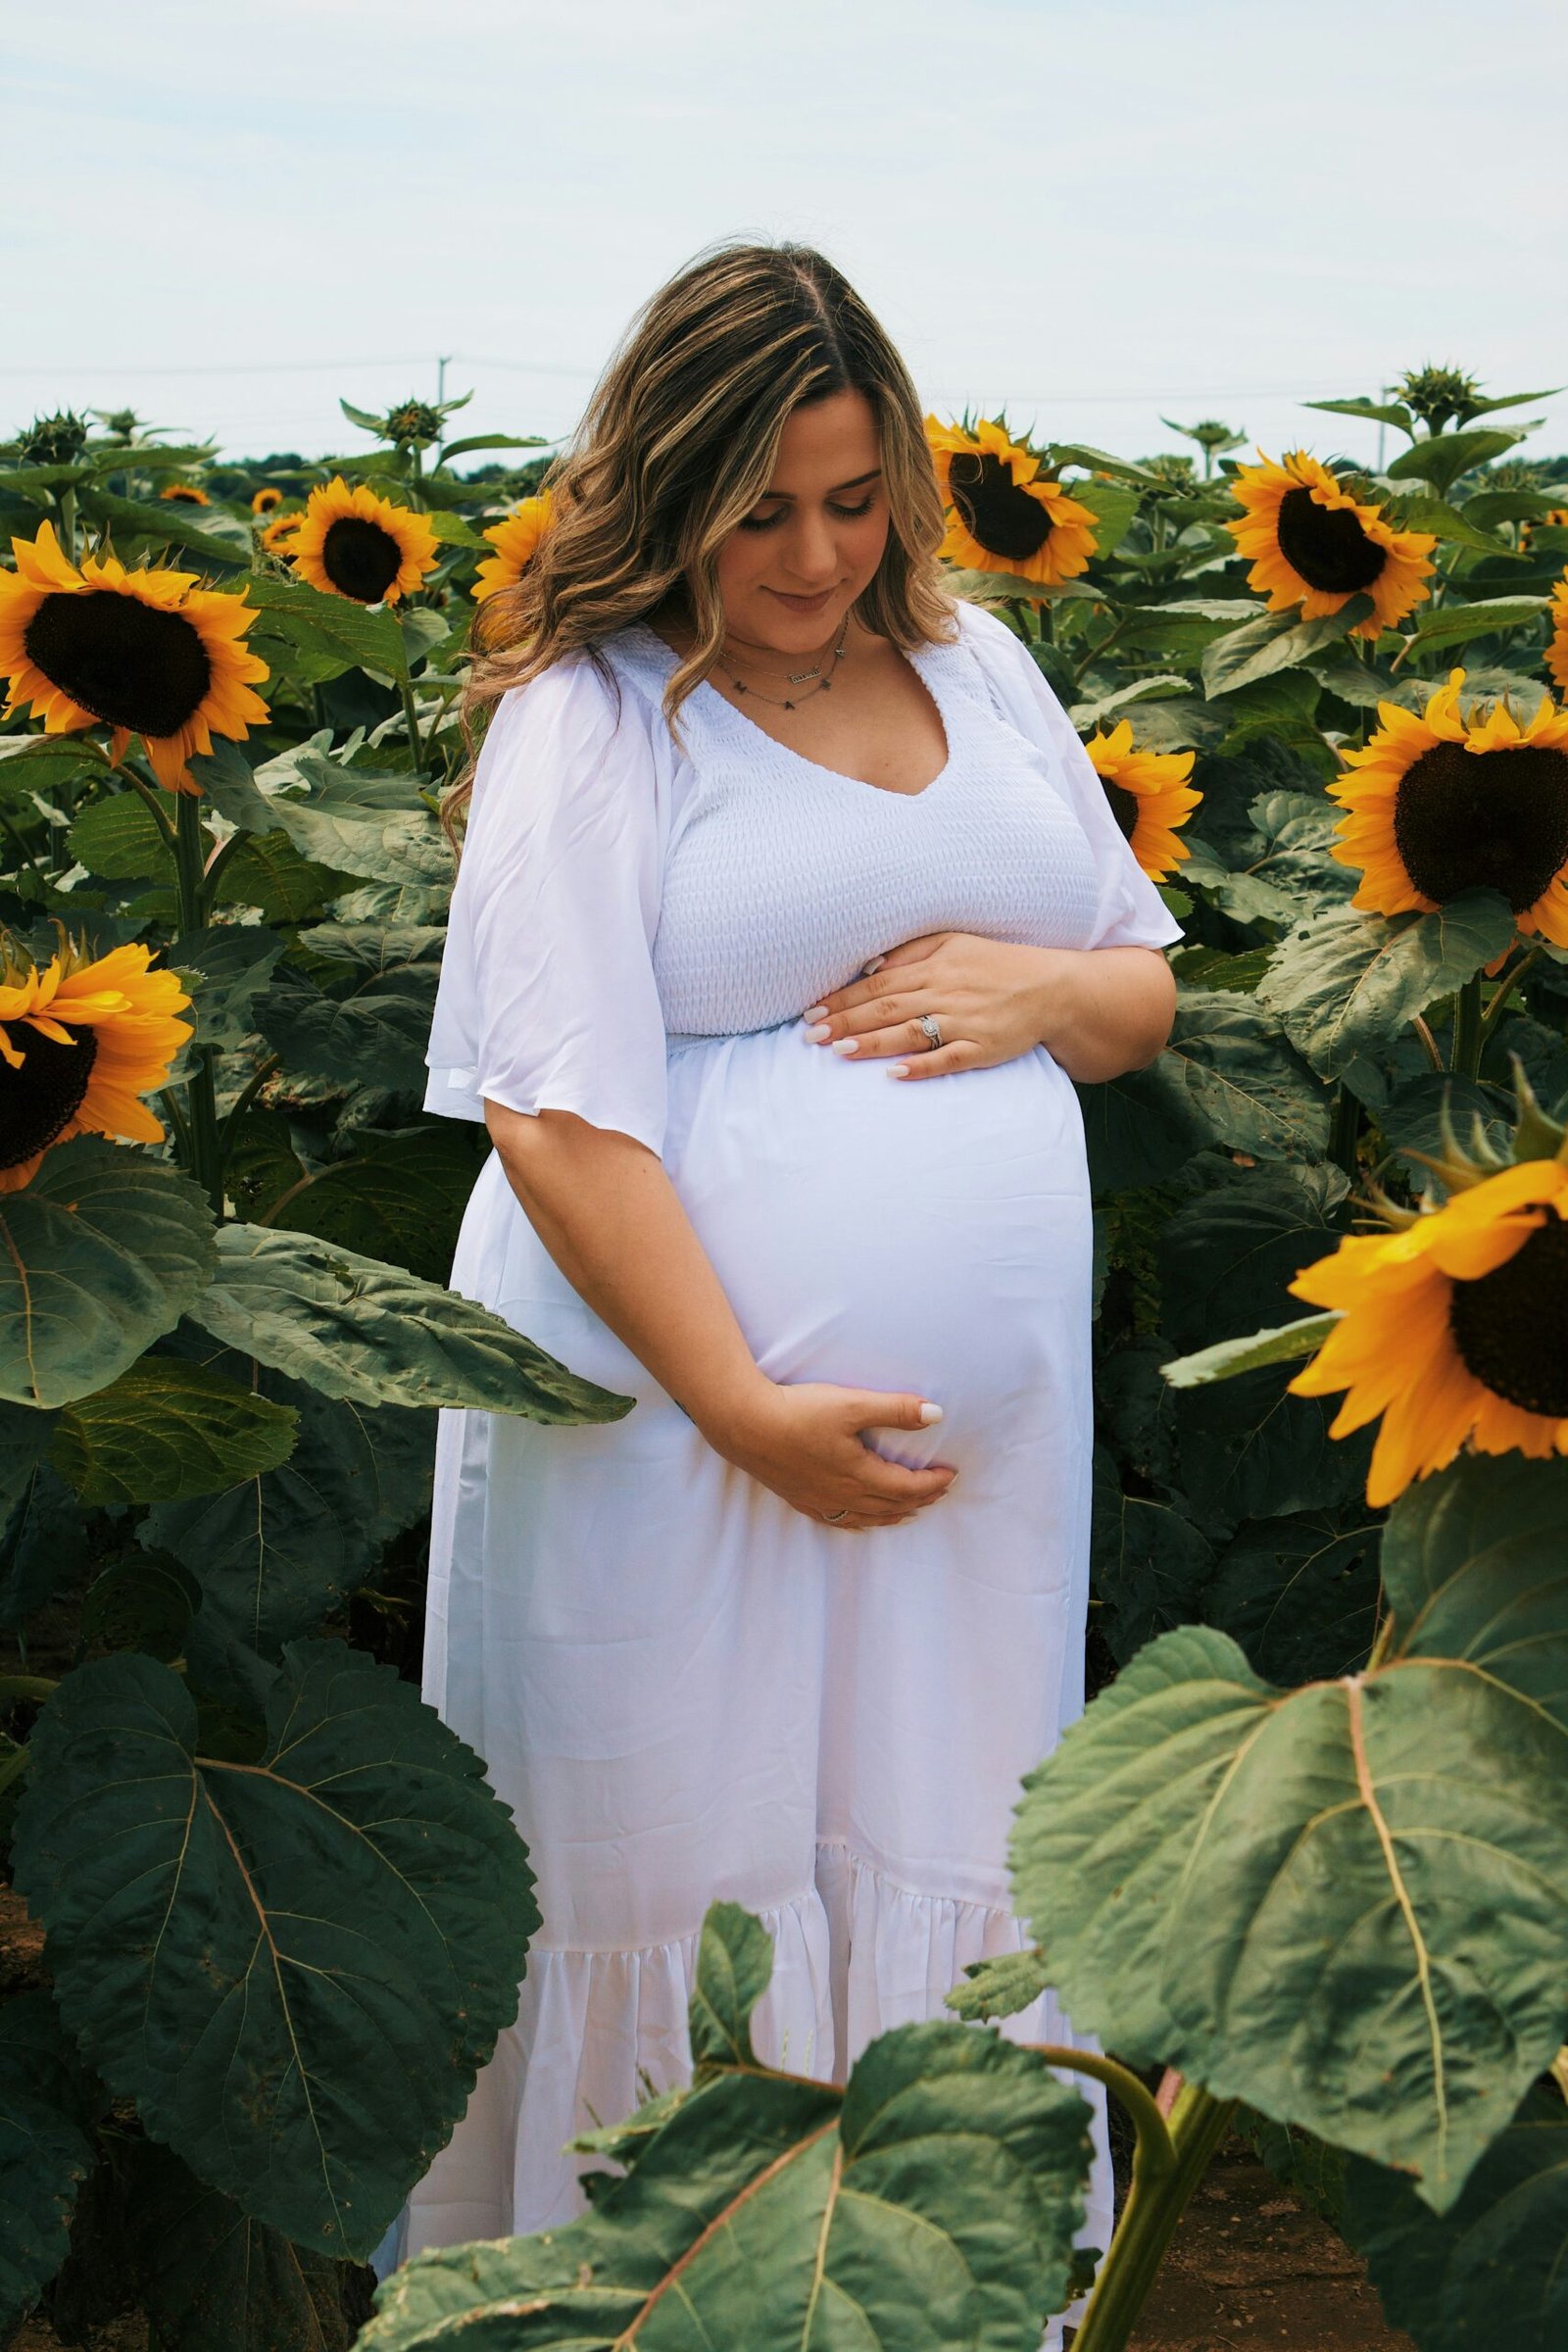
685,1688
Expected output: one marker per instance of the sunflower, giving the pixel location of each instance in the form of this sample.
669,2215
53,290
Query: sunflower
1450,1329
281,530
1557,650
1313,546
1148,796
266,500
352,543
147,653
186,493
1441,804
1006,517
80,1042
515,541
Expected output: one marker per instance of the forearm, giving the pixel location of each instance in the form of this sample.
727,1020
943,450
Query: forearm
1103,1010
611,1220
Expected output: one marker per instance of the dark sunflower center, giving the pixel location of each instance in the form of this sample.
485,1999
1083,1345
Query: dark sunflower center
1124,806
1004,520
360,559
1465,820
37,1101
129,663
1327,545
1508,1324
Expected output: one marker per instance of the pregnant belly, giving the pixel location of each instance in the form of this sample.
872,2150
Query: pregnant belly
932,1236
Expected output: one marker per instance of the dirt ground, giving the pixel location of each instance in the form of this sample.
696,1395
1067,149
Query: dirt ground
1252,2270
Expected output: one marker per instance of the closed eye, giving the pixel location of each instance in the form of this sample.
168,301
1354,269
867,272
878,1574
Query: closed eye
768,522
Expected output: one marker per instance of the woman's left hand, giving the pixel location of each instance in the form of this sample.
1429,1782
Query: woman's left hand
992,1002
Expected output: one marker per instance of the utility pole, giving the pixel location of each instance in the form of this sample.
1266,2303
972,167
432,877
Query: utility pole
441,377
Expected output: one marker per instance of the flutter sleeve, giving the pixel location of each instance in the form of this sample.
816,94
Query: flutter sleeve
1130,911
547,999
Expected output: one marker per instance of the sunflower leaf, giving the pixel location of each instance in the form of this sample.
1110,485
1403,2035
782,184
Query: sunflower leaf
120,839
1420,512
1274,641
373,1334
1457,625
1440,458
30,763
275,1557
1379,412
167,1430
357,636
1495,2269
932,2201
102,1253
1343,983
1224,1359
214,2281
354,1907
1226,1076
1245,1884
44,2150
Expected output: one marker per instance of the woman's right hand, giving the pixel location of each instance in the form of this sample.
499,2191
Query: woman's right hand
802,1440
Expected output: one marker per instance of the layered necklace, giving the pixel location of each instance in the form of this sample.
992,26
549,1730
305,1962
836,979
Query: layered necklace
815,681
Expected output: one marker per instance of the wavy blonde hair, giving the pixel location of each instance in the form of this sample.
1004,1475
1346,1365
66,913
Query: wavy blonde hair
679,443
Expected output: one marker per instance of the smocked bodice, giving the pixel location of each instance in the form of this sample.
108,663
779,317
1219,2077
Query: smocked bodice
781,878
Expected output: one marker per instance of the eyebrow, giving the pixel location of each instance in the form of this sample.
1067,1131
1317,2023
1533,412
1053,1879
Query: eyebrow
788,496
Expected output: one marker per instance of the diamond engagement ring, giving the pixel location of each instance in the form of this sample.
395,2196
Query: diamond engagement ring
929,1023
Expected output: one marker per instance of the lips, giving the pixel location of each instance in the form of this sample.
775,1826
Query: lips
802,604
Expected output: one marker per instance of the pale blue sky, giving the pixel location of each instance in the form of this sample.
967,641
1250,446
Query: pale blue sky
235,212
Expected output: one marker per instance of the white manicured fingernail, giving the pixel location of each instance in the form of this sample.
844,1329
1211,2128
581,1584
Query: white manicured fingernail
813,1013
899,1069
875,965
821,1033
930,1413
847,1045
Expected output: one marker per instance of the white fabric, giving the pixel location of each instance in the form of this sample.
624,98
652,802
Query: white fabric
685,1688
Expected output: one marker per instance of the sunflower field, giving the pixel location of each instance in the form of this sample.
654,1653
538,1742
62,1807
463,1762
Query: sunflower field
1304,1865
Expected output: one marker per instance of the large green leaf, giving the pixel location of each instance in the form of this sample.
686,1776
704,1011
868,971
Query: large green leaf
1346,1904
1492,2271
930,2203
166,1430
44,2149
361,822
43,1540
1248,1449
1343,983
278,1553
294,1966
1228,1359
1442,458
1227,1255
370,1023
1457,625
101,1252
355,1328
1299,1592
1227,1076
212,2279
1149,1562
225,967
354,635
118,837
398,1197
1274,641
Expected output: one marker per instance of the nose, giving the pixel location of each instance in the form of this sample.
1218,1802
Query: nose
813,556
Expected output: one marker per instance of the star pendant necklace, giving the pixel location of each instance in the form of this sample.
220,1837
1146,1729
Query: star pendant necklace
798,677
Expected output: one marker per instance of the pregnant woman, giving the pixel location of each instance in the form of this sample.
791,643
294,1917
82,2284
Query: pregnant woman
791,1632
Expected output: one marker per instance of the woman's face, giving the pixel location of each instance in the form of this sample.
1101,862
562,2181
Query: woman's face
794,565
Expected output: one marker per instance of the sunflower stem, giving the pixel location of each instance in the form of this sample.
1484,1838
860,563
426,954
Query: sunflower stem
245,1098
1345,1132
1154,2206
412,718
1468,1040
204,1150
1503,991
1429,1043
154,802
